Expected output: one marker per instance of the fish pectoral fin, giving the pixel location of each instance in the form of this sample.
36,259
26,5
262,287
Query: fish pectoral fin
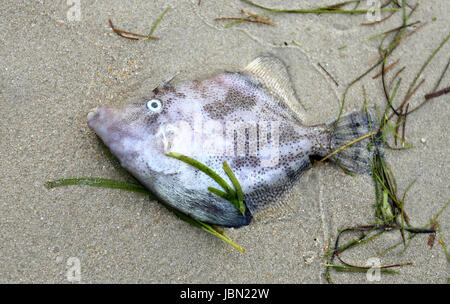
273,75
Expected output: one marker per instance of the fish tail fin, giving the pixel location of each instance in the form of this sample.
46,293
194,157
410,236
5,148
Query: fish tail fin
358,156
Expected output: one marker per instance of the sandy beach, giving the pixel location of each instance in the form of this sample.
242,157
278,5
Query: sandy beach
57,61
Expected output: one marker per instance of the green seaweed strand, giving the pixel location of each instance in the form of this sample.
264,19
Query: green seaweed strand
235,196
321,10
132,187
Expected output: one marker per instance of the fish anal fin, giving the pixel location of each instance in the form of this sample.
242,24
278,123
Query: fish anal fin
279,198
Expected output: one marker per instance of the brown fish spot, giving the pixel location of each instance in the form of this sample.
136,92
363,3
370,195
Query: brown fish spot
234,100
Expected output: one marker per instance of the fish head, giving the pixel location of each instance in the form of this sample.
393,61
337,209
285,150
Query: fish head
140,134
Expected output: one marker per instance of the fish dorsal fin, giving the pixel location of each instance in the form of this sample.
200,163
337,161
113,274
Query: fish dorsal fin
273,75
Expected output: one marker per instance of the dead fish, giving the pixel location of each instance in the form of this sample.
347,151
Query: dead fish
251,119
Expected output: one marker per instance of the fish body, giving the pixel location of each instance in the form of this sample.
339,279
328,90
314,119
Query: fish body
250,119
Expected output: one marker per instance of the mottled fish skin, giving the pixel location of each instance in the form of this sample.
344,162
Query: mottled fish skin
268,151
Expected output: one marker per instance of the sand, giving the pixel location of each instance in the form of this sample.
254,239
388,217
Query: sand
54,69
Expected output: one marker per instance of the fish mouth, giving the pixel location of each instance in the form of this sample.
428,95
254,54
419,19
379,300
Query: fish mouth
118,136
100,120
92,115
104,122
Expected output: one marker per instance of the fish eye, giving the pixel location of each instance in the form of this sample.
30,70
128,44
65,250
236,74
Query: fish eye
154,105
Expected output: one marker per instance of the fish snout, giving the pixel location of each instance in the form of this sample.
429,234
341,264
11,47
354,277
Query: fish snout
92,115
98,115
101,120
102,117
